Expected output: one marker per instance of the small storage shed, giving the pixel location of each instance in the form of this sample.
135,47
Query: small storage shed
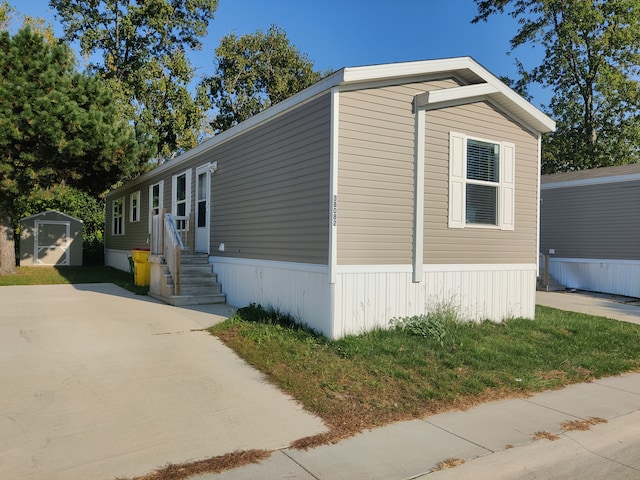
50,238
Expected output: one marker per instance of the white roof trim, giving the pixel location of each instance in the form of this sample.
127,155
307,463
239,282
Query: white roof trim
51,211
591,181
351,76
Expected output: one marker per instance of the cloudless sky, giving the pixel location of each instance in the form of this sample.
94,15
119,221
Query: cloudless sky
335,34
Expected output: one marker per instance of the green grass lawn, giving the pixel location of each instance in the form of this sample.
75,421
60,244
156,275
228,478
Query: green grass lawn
60,275
369,380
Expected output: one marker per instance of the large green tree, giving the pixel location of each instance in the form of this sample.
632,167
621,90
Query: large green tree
141,48
591,63
255,71
58,128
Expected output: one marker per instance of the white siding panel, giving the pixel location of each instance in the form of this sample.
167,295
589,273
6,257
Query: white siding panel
301,290
118,259
618,277
369,299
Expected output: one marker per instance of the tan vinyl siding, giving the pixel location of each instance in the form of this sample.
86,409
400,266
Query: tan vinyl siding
135,233
469,244
270,195
592,221
375,173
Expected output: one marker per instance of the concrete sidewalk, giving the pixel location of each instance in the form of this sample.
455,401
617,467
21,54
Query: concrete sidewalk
599,304
99,383
494,441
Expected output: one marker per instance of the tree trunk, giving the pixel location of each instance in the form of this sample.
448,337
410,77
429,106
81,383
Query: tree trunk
7,245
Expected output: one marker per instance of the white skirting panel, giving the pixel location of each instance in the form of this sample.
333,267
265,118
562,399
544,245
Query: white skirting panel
301,290
619,277
369,296
118,259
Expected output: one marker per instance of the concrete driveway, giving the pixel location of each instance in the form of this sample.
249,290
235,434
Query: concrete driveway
99,383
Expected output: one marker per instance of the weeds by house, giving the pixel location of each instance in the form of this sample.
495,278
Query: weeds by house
364,381
63,275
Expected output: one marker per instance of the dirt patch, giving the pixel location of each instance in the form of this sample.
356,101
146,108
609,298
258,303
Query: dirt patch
448,463
210,465
573,425
545,436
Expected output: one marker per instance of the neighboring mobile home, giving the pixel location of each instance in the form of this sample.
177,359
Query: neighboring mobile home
378,192
590,223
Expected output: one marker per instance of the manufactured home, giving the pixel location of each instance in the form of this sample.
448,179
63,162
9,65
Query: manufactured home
590,225
379,192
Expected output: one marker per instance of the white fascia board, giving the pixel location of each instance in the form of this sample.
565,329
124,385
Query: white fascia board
51,211
467,93
404,69
536,118
299,98
591,181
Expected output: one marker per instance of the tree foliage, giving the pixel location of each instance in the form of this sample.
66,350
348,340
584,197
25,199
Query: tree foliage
592,64
142,49
255,71
58,127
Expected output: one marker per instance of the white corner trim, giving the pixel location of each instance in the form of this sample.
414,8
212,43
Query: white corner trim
418,198
333,186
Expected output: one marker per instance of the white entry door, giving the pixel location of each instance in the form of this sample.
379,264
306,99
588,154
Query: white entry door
203,179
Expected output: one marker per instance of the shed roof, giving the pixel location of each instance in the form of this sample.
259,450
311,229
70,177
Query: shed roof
464,68
49,212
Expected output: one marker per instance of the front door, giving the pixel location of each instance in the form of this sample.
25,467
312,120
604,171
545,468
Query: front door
202,209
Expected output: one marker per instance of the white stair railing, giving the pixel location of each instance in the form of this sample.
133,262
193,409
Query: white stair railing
172,247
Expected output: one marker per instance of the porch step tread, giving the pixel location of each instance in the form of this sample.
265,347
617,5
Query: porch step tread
182,300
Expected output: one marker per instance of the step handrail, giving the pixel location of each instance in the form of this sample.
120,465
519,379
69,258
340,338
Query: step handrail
172,247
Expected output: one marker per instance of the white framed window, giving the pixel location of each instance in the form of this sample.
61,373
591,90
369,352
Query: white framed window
481,183
117,214
181,194
134,207
156,192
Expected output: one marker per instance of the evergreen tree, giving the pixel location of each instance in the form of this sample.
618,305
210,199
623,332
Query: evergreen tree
57,127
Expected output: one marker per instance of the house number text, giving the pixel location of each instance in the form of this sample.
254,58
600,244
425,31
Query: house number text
334,210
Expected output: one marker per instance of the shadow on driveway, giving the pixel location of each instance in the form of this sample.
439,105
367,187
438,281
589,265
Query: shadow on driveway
99,382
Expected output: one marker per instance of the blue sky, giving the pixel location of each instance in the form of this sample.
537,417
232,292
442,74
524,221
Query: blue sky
336,34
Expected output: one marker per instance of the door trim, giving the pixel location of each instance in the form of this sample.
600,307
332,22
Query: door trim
206,170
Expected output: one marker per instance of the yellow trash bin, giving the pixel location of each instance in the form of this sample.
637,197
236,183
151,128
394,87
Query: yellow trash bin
141,270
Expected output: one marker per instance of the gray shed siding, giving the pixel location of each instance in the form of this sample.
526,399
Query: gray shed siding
592,221
55,235
376,173
478,245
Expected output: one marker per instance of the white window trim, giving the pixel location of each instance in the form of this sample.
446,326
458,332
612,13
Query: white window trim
174,200
160,200
135,195
113,216
458,181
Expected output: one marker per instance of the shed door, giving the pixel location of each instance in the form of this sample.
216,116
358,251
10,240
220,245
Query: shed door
203,178
52,241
